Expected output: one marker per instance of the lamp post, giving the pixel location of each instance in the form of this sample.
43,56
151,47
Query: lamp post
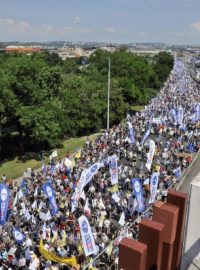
108,103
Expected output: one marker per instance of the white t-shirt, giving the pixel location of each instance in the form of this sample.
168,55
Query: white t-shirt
34,265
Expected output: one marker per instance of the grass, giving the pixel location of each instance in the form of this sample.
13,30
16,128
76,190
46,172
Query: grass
16,167
137,108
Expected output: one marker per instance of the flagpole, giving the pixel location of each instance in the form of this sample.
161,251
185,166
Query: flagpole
108,102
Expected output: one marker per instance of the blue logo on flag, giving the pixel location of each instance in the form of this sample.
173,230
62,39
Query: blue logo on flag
93,169
84,226
19,236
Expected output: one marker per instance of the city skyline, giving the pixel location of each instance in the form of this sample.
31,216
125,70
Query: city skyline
118,21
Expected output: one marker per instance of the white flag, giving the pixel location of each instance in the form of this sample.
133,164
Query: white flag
34,205
86,207
87,236
33,220
83,195
15,200
27,214
20,195
153,187
146,181
36,192
150,154
44,231
113,169
41,205
116,197
54,154
122,219
48,216
77,194
101,204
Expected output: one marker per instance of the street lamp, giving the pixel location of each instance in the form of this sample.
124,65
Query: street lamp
108,103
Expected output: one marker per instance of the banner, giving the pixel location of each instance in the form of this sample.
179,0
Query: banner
113,169
150,154
78,191
180,115
197,112
87,236
19,236
174,115
153,187
49,192
49,256
157,120
131,133
4,201
92,171
146,135
137,188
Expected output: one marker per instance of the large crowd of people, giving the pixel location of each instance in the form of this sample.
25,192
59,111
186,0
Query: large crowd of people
172,119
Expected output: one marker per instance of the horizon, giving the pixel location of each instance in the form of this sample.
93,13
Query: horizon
100,42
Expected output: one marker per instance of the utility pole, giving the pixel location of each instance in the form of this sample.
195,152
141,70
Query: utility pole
108,104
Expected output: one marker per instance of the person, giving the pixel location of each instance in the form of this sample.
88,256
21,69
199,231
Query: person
34,263
4,178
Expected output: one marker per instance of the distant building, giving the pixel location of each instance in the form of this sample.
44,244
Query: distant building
68,52
22,49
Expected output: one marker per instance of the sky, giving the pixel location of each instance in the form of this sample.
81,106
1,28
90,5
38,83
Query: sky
115,21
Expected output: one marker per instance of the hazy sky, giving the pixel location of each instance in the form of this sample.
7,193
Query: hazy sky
121,21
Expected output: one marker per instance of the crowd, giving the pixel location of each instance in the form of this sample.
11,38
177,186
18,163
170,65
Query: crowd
171,121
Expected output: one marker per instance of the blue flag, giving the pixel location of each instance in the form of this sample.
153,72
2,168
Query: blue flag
191,148
137,188
4,201
131,133
174,115
49,192
92,171
19,236
43,169
197,112
23,186
23,183
146,135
